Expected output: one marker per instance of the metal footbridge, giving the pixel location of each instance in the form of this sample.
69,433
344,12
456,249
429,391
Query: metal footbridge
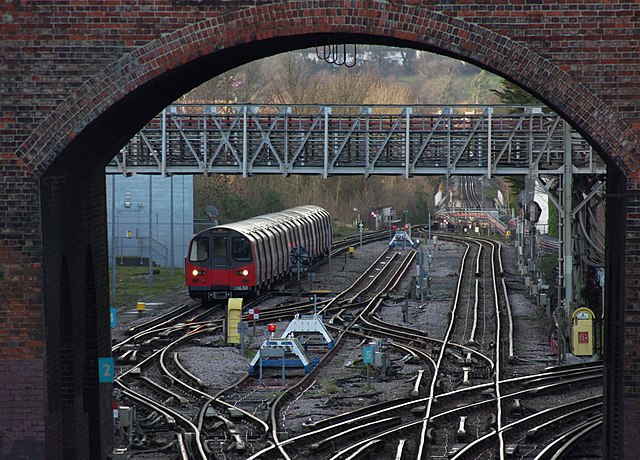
365,140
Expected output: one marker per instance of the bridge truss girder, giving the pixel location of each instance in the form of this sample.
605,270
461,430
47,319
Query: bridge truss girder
362,140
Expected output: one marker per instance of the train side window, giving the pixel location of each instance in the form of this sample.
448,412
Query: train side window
220,247
240,249
199,250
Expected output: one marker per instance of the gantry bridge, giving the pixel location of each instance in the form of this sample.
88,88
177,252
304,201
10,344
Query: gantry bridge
367,140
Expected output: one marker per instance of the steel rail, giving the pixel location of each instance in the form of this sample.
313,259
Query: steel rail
447,335
337,345
498,351
403,428
556,449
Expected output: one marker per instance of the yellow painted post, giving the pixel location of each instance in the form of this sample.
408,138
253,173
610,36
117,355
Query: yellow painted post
141,306
234,316
582,332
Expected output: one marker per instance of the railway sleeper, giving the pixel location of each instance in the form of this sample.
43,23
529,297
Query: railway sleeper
466,377
461,432
416,387
511,449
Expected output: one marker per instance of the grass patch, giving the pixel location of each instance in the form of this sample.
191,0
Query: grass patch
329,387
132,284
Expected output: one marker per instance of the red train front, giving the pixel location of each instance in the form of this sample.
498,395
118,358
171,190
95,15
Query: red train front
220,261
245,257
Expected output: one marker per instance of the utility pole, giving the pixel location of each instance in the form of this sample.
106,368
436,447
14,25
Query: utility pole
150,230
113,239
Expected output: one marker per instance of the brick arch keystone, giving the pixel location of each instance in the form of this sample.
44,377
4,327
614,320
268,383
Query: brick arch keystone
395,24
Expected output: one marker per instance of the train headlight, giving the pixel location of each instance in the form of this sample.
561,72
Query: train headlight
197,272
244,272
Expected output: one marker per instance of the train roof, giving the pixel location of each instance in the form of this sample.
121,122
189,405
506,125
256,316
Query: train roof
274,219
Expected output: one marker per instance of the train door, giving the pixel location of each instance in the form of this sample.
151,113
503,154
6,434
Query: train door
220,260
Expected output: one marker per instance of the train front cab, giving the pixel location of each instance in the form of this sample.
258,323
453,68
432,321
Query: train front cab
220,262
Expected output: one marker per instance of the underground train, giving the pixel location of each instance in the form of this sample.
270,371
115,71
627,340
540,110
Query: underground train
243,258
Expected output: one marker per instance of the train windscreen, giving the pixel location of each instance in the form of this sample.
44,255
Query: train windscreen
199,250
240,249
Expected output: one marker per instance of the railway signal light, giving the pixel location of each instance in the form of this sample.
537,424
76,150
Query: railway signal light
272,328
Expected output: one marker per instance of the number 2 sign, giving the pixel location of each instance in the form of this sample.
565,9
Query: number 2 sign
105,370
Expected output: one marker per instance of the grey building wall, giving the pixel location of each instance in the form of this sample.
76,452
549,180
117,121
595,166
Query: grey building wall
131,229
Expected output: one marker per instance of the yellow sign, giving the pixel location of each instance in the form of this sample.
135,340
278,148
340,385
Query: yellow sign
582,331
234,316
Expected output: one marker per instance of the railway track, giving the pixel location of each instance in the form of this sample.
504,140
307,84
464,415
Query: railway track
459,398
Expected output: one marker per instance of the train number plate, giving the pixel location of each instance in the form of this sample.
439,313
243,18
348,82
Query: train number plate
239,288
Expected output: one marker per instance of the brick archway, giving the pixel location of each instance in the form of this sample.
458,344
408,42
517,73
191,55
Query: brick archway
217,43
66,116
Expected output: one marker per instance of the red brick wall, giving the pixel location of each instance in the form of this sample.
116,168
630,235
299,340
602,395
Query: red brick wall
79,77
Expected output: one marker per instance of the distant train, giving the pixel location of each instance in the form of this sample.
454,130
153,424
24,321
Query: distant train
246,257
